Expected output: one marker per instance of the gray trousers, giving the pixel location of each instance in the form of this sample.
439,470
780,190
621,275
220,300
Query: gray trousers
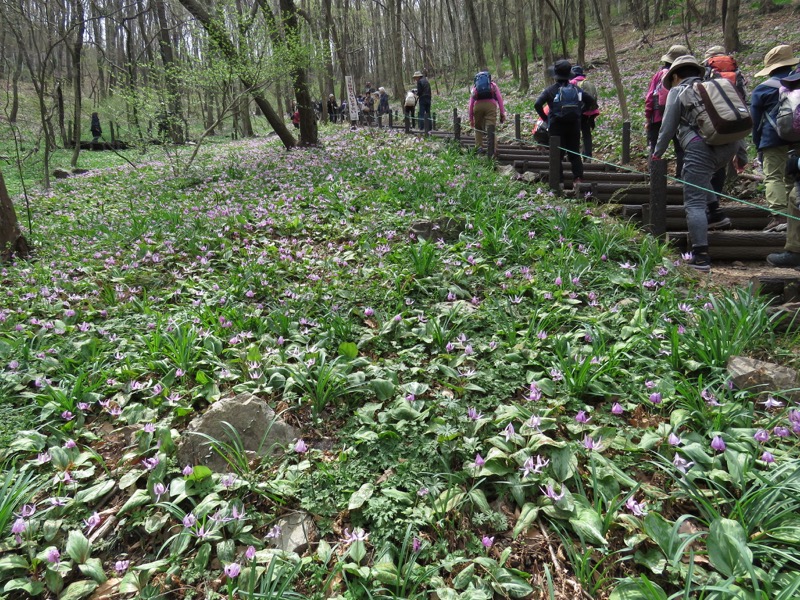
700,162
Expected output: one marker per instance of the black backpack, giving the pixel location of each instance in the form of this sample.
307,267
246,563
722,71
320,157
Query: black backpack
483,86
567,106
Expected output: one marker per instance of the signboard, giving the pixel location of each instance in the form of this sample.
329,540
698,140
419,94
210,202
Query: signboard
352,102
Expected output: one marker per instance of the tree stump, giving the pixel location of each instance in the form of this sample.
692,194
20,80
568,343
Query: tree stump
12,242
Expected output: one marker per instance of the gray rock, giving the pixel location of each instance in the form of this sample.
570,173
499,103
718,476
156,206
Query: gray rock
530,177
447,228
298,530
759,376
256,424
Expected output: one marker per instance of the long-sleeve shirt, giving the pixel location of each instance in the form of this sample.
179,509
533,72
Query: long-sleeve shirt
763,101
496,99
652,112
549,95
423,88
673,122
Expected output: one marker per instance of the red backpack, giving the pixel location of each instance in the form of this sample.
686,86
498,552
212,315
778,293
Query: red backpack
660,94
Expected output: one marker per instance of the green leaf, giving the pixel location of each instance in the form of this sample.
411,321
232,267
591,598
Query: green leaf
348,349
463,579
130,478
93,568
357,551
564,463
226,551
526,518
11,563
34,588
660,531
386,573
638,589
359,497
727,548
95,492
78,547
54,581
511,585
588,524
203,554
78,590
652,559
200,472
138,499
155,522
383,388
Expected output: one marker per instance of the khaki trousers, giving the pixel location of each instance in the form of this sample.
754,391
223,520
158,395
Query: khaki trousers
485,113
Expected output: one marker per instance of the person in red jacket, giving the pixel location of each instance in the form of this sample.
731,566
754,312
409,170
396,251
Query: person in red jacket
656,99
483,111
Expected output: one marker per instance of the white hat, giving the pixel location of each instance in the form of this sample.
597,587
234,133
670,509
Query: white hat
380,89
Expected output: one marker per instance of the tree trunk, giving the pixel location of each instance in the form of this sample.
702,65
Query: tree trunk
477,42
497,52
175,117
220,38
522,44
77,48
60,105
12,242
581,32
603,11
308,118
731,27
12,115
546,29
505,35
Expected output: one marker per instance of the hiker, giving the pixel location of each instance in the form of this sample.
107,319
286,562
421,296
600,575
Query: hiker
383,102
790,257
654,102
368,108
95,128
718,64
778,63
333,109
410,104
590,113
565,103
484,100
296,118
424,100
701,160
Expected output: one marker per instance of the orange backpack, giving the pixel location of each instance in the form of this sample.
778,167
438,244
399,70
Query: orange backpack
725,66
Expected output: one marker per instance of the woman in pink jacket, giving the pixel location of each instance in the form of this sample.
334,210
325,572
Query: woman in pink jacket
484,101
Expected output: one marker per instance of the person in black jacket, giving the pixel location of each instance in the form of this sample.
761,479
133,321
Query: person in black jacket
95,128
333,109
424,97
563,121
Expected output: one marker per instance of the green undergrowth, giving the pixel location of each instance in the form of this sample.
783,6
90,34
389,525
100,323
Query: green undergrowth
533,368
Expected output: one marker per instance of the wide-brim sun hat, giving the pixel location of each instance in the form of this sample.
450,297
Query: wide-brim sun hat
417,74
562,69
682,61
779,56
674,52
380,89
713,51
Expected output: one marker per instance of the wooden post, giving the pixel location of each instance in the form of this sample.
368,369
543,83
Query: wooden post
455,117
657,221
380,121
433,121
391,120
490,137
554,174
408,124
457,129
626,143
70,131
113,135
517,128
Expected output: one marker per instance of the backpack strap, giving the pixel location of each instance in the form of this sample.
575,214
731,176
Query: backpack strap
776,84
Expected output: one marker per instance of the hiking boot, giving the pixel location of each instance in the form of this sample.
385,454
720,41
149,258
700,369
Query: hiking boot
700,262
784,259
718,220
776,224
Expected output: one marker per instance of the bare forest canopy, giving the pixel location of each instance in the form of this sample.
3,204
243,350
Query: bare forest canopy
192,63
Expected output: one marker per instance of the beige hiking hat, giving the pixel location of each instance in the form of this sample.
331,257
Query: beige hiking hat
417,74
779,56
674,52
682,61
714,51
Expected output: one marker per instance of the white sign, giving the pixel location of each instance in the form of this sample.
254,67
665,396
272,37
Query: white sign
352,103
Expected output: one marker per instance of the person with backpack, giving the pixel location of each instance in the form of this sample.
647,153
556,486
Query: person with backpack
788,122
424,98
484,101
687,116
590,112
778,63
565,103
410,104
655,100
718,64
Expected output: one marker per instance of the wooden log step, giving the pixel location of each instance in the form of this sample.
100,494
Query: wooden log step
785,289
541,165
741,217
737,238
733,211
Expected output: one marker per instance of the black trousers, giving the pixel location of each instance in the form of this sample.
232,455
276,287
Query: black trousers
570,134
